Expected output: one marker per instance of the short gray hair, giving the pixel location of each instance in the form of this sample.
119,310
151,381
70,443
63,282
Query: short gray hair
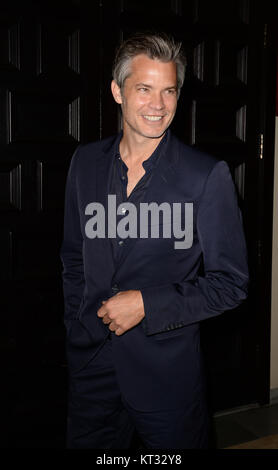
158,46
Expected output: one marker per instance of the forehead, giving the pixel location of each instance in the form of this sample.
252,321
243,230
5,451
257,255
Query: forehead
143,66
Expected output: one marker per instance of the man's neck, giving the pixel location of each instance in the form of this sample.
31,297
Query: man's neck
134,150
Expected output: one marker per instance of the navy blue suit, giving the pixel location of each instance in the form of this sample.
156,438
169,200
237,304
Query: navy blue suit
158,363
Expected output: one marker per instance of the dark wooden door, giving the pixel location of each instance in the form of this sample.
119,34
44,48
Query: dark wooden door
55,73
48,105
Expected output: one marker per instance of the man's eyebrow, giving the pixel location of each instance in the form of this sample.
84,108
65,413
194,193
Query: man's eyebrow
173,87
144,84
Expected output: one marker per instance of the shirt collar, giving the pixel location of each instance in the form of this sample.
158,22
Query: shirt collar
152,161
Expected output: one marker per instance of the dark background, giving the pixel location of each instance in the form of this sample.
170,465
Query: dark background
55,73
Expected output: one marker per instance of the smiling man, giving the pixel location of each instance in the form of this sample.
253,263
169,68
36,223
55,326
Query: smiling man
149,100
133,305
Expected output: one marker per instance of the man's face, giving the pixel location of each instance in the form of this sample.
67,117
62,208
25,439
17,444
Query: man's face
149,97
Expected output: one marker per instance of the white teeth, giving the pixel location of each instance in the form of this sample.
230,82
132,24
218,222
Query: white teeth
153,118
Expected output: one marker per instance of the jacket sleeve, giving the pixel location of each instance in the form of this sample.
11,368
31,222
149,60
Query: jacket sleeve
224,281
71,250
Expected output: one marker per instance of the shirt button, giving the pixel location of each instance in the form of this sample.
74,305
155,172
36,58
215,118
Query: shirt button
121,243
123,178
123,210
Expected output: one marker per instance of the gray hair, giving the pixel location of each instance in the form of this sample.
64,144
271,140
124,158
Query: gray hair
158,46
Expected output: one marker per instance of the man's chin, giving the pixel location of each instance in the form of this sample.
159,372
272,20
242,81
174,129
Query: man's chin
158,135
148,133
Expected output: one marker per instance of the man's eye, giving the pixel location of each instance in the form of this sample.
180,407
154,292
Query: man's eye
144,90
171,92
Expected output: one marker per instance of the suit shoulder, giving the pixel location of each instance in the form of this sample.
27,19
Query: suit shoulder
193,167
87,154
197,160
95,149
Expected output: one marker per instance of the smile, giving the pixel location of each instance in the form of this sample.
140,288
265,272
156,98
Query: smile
153,118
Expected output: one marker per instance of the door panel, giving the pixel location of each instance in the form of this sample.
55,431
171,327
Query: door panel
44,107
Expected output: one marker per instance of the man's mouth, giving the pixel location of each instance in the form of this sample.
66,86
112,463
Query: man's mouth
153,118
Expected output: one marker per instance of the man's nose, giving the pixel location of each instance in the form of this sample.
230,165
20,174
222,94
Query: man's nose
157,101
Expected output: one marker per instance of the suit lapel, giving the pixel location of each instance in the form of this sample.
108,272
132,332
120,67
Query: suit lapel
104,167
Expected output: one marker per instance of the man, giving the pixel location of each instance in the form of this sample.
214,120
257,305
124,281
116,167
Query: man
134,298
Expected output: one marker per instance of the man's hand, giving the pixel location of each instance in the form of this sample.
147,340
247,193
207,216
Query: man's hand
122,311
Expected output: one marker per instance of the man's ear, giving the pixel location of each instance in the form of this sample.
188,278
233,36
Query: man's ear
116,92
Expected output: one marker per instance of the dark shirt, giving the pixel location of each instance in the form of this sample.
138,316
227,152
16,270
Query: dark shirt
118,187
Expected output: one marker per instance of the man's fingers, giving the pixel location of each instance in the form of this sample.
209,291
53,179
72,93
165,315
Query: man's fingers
112,326
116,329
106,319
119,331
102,310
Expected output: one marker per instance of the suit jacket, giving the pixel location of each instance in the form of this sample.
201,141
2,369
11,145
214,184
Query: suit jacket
158,362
